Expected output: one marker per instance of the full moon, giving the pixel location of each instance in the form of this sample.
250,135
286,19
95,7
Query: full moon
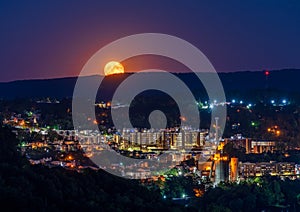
113,67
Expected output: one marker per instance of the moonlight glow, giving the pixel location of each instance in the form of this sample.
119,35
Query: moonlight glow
113,67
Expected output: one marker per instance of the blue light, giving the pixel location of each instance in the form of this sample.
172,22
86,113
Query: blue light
233,101
241,102
284,101
272,101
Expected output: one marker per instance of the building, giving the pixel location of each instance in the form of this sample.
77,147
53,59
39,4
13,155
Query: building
267,168
233,169
262,146
251,146
176,138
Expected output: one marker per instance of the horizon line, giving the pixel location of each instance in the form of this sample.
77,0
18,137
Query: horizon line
186,72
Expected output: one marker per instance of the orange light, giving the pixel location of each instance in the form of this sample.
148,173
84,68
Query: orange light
198,192
22,123
269,129
224,158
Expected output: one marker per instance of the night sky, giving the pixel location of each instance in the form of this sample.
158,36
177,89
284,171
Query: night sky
48,39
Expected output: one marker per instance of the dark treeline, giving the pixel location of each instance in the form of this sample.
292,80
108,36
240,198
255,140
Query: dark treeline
258,194
236,84
24,187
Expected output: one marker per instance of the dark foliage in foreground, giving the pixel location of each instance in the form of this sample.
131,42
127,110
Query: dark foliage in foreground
257,194
37,188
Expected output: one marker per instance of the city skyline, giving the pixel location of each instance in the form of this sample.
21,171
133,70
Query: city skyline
150,105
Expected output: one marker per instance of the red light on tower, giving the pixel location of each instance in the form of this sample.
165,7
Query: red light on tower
267,73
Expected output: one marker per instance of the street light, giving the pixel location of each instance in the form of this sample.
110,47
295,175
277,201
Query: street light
278,132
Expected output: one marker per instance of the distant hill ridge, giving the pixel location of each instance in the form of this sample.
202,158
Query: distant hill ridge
286,80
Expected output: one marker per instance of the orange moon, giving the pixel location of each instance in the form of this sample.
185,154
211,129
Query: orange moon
113,67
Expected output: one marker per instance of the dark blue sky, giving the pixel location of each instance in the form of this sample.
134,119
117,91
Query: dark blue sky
46,39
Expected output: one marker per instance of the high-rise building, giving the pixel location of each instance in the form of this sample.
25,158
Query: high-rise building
233,169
